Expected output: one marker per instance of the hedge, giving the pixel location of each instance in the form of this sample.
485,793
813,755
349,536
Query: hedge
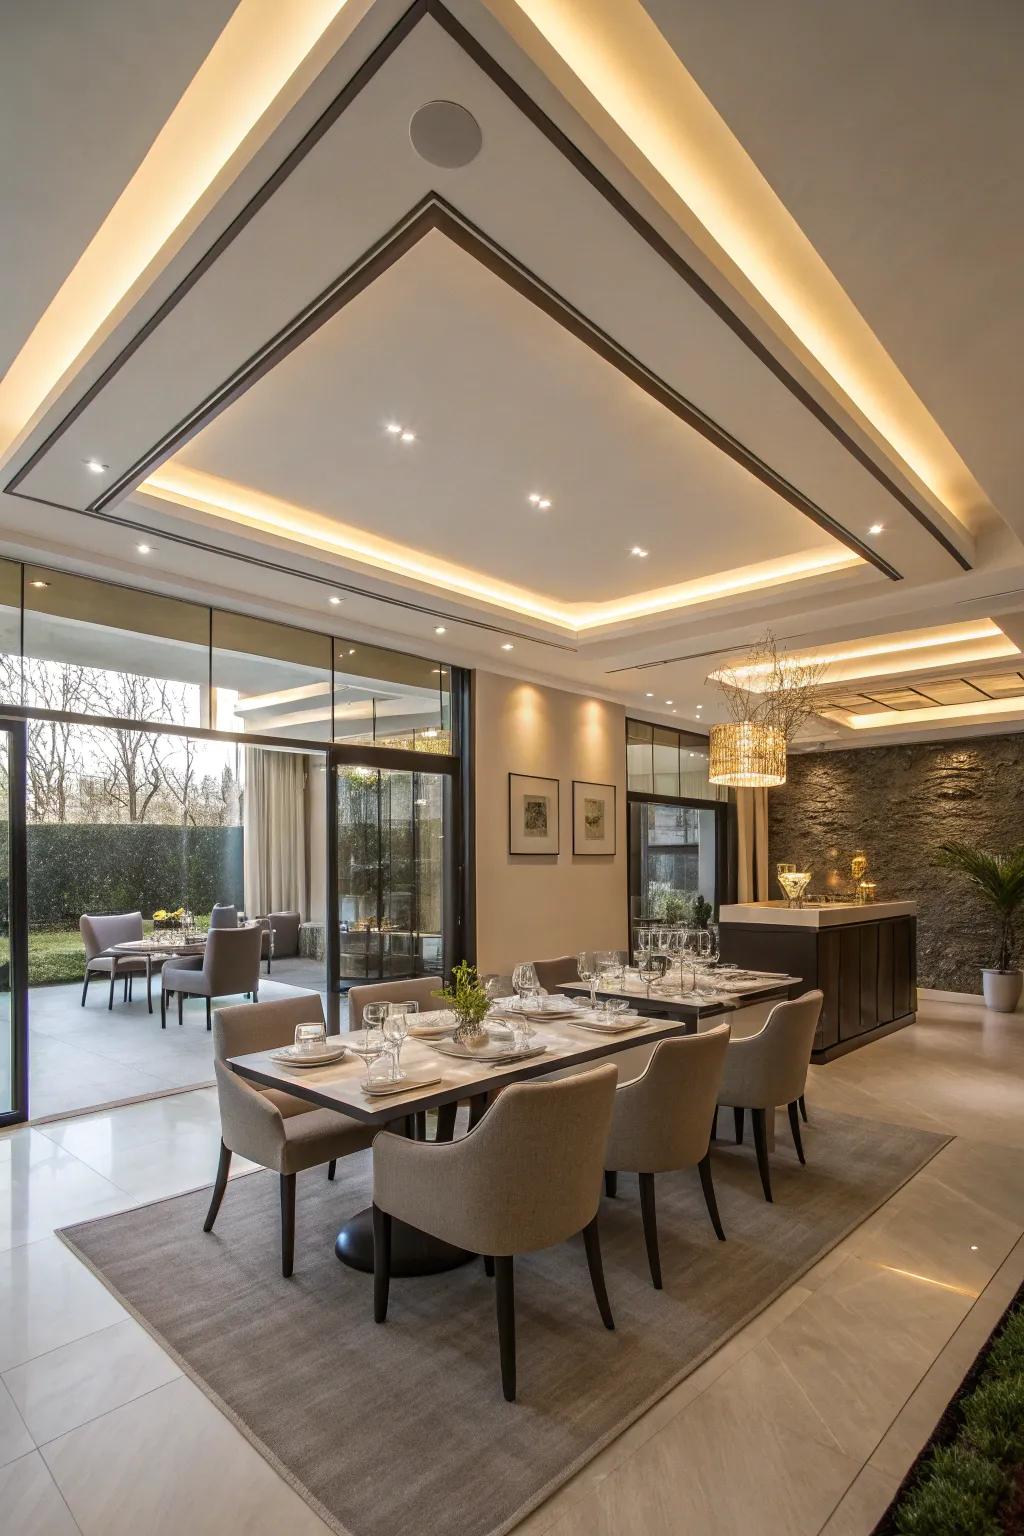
73,868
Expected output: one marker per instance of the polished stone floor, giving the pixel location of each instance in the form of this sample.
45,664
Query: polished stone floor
801,1424
85,1056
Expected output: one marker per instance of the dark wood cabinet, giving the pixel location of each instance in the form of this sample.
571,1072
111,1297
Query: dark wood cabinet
867,971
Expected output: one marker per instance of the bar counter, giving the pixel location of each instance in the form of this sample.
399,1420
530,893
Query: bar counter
863,956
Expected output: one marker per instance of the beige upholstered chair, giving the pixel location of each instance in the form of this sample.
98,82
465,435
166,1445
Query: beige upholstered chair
98,934
528,1176
421,989
551,973
284,1133
224,915
663,1120
770,1068
230,965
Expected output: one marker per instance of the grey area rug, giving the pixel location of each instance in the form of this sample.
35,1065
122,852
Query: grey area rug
403,1427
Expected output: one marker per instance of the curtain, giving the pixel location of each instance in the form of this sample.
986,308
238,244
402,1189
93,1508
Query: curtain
274,832
752,844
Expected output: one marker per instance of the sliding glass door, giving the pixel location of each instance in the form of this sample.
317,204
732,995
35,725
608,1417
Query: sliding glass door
13,928
394,890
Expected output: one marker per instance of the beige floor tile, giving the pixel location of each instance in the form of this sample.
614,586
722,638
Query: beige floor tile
60,1390
181,1160
863,1504
720,1469
172,1463
31,1501
39,1192
15,1439
48,1299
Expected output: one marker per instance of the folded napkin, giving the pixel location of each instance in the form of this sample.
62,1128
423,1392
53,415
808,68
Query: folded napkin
439,1022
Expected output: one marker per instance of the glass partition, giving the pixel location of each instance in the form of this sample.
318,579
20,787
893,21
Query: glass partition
387,699
10,632
91,648
674,851
270,679
391,872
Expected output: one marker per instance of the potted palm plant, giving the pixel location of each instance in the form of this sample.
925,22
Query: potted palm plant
998,878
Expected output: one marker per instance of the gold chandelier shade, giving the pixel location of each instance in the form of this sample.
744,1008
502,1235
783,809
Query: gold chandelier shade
746,755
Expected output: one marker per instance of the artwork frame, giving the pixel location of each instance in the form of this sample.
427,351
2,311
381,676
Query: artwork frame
593,819
533,814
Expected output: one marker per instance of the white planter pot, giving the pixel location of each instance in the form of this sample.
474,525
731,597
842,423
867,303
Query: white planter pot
1002,989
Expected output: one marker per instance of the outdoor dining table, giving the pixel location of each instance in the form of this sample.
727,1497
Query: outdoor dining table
156,946
338,1086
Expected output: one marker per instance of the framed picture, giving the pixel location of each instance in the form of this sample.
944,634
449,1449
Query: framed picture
593,818
532,814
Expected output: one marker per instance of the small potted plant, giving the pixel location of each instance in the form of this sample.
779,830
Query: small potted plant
468,1000
998,878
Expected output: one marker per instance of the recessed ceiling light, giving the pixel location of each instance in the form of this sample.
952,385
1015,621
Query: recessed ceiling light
508,646
96,466
144,549
439,629
408,437
394,428
648,695
39,583
877,528
668,701
334,600
544,503
639,552
352,651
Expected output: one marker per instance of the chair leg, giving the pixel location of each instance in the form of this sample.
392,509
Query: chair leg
181,1005
708,1186
124,989
220,1185
149,983
445,1122
209,1024
650,1219
110,999
592,1241
761,1144
488,1266
421,1125
737,1116
131,988
287,1223
163,1007
85,986
477,1109
803,1108
611,1183
714,1125
332,1168
381,1263
505,1298
794,1125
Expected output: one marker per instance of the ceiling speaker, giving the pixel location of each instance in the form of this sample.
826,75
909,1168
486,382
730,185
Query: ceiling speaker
445,134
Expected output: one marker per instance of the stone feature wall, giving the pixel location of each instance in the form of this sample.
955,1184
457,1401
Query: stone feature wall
897,805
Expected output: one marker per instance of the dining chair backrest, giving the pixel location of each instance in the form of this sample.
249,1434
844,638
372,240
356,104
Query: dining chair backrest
421,989
551,973
224,915
285,927
531,1172
247,1027
99,933
772,1064
231,960
663,1118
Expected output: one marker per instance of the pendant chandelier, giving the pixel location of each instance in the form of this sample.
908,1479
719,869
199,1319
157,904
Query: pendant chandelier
768,696
746,755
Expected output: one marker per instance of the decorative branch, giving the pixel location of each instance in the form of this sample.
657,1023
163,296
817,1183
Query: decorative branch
770,688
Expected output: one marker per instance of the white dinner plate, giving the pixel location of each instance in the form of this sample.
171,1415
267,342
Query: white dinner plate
490,1053
289,1057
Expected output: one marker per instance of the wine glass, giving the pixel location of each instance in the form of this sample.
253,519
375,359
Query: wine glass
652,967
588,967
396,1026
524,980
369,1042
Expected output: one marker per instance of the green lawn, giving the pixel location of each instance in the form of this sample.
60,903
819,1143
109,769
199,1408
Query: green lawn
58,955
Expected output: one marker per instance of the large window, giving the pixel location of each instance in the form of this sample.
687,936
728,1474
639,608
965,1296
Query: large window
387,699
676,825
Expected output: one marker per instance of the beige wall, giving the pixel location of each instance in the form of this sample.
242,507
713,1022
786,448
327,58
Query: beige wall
533,907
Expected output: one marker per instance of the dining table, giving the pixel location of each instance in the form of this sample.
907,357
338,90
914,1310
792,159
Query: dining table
157,946
339,1086
718,990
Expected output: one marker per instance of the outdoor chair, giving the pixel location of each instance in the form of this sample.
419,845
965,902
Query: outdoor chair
230,965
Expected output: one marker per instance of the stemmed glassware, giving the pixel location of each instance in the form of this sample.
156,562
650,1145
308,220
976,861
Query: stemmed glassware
588,966
526,986
396,1027
369,1042
651,966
